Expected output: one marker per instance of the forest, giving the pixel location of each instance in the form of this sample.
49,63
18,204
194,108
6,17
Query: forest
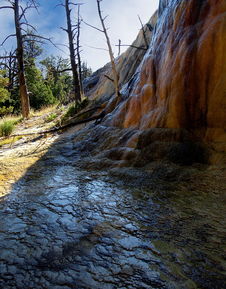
28,80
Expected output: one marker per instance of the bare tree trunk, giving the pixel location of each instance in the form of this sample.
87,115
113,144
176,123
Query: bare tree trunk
114,70
78,50
144,33
25,103
11,74
72,53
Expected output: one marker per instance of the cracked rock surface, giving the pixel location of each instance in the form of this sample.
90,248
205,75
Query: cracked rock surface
62,227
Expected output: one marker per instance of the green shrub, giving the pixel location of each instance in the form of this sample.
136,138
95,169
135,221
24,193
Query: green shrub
51,117
6,110
6,128
75,108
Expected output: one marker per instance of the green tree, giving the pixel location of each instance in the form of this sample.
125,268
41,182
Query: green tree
57,77
40,92
5,101
85,71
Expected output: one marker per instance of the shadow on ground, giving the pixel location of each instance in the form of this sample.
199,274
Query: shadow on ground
66,225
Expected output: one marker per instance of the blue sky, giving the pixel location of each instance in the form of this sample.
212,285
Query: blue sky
122,22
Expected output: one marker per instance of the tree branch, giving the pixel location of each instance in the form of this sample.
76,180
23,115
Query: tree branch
6,57
9,36
7,66
29,25
40,37
98,29
64,29
133,46
6,7
108,77
61,71
24,11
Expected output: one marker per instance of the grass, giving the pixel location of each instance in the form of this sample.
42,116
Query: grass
44,110
7,125
6,128
51,117
15,119
9,140
74,109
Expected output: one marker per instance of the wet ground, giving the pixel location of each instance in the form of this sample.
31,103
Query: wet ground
63,227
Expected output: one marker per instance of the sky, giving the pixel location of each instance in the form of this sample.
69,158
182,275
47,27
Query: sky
122,21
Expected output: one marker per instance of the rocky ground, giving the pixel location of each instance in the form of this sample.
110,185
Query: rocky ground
65,225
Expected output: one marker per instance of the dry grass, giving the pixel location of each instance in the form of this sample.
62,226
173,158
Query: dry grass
44,110
9,140
12,170
12,118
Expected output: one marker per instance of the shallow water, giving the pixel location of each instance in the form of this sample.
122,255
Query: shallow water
62,227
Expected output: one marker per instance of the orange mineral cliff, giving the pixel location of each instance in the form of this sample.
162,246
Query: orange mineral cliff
182,83
177,94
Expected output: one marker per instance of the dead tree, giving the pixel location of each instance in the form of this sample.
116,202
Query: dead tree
113,65
144,33
78,49
24,97
21,26
144,30
71,32
19,14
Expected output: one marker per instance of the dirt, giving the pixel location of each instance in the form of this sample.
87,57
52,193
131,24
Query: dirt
17,156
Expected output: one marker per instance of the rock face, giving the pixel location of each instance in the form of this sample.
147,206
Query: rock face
182,83
174,105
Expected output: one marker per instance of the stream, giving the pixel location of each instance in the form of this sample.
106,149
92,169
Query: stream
63,227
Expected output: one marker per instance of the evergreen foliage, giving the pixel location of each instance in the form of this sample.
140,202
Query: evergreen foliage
40,92
58,77
5,101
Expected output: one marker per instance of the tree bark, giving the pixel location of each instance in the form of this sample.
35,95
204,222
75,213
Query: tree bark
25,103
74,67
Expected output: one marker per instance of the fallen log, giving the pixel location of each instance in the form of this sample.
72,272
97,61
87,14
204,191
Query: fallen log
71,124
84,112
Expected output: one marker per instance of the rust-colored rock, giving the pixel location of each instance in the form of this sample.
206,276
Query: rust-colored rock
175,100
